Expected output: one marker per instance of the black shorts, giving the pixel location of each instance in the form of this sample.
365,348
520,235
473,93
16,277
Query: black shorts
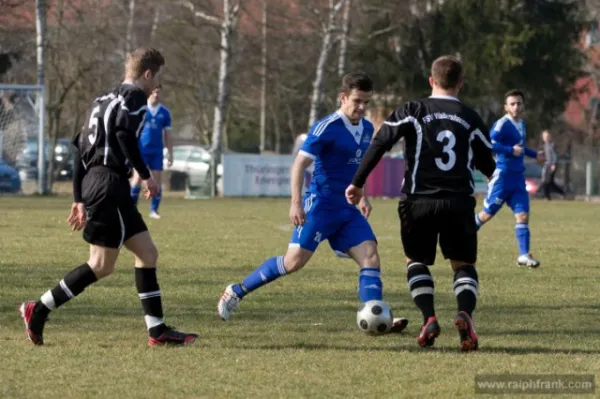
424,219
112,217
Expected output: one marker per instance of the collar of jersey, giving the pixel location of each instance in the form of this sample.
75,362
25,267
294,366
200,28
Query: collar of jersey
444,97
352,128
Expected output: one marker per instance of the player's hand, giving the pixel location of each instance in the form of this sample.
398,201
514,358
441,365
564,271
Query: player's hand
552,168
517,150
170,160
365,207
297,215
151,187
540,157
354,194
77,217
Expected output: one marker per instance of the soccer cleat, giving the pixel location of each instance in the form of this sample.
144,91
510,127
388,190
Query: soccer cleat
154,215
173,338
34,329
399,324
466,331
527,261
228,303
429,332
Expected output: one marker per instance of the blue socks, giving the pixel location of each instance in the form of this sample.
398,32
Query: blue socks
522,234
135,194
156,201
370,286
270,270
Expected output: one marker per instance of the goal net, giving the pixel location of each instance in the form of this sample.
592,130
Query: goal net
21,128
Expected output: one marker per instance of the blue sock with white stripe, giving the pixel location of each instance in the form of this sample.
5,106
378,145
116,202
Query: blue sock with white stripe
522,234
465,288
270,270
370,286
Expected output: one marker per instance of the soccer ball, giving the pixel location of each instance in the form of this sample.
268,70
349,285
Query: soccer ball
374,317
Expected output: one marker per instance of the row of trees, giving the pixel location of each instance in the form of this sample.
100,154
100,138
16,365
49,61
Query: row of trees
256,73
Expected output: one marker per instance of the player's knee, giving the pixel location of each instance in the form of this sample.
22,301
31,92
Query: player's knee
102,265
148,257
371,256
522,217
295,259
484,216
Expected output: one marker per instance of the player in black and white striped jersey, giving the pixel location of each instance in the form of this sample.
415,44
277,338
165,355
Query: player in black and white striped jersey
105,150
445,140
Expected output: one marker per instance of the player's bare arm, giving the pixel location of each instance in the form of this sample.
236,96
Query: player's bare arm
297,216
169,141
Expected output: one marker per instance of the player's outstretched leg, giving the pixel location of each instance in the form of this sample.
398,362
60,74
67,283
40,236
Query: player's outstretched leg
270,270
420,284
35,314
465,289
146,282
522,234
370,286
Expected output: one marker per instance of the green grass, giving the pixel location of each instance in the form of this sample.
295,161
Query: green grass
298,336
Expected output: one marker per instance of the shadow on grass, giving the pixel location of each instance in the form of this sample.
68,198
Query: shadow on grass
412,347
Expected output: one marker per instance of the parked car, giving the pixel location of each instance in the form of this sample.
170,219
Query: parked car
191,168
10,182
533,178
27,160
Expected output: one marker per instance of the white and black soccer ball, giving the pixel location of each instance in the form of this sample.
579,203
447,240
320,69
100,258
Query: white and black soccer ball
375,317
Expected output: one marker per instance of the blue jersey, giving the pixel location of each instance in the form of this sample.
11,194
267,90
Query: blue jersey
505,134
157,120
337,147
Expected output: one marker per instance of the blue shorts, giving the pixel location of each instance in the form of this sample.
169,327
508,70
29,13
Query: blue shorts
506,187
154,160
342,225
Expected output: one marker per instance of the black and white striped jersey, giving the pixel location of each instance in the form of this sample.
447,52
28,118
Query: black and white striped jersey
445,141
112,116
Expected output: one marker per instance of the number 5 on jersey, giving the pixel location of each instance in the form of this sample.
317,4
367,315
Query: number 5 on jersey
93,124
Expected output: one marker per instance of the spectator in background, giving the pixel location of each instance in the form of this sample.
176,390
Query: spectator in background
549,169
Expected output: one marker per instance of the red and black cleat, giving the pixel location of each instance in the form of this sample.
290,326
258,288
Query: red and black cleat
34,328
466,331
429,332
172,337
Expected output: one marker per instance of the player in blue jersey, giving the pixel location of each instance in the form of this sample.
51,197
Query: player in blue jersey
156,126
507,184
336,145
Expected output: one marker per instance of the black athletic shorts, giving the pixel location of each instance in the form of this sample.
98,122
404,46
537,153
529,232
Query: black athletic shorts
112,217
424,219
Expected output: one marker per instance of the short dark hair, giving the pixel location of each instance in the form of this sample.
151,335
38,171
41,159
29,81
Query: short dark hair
447,71
514,93
141,60
356,80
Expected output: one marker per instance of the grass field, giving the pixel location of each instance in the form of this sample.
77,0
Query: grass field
298,336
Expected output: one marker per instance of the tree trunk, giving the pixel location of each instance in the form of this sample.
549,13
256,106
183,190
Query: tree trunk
227,29
263,83
40,11
129,38
325,49
344,39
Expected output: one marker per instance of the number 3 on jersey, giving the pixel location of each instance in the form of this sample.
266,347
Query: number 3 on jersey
93,124
450,141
